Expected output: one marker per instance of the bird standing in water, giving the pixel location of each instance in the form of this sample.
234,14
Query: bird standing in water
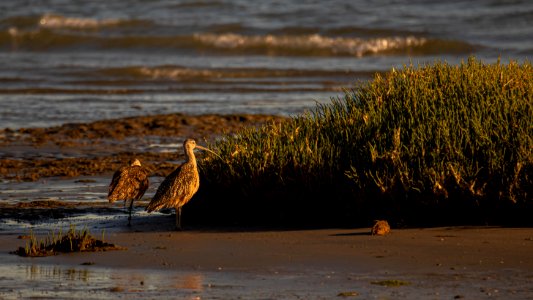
129,183
179,187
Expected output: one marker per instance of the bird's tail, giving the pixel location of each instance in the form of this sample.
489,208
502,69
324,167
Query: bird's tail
155,205
112,198
116,195
151,208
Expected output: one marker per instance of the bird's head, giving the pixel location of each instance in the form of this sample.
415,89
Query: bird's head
135,162
189,144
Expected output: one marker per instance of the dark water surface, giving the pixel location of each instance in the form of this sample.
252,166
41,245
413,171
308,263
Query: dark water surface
77,61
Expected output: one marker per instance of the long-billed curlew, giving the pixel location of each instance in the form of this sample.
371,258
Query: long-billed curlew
129,183
179,187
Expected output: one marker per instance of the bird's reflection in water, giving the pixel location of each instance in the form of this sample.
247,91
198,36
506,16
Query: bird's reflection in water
36,272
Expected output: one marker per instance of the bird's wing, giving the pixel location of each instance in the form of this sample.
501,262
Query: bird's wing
114,182
187,184
140,177
174,189
128,183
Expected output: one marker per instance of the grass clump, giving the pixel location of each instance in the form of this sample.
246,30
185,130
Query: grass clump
434,142
71,241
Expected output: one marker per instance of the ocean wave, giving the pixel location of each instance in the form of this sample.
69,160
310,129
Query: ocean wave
313,43
160,73
58,21
180,73
227,43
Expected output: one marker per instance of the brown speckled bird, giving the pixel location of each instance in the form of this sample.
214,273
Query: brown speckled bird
129,183
179,187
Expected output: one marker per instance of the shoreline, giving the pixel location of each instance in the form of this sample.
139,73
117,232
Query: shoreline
476,248
443,262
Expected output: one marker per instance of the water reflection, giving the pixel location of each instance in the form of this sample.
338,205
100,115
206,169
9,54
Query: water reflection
30,279
36,272
52,281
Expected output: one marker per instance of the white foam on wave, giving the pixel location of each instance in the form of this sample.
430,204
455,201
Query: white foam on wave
174,73
57,21
335,45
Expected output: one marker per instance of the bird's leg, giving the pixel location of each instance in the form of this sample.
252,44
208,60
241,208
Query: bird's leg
125,207
178,218
129,217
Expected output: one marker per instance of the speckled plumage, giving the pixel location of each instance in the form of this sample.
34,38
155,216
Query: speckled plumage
177,188
180,186
129,183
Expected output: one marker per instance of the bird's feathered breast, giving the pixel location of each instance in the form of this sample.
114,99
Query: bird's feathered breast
128,183
177,188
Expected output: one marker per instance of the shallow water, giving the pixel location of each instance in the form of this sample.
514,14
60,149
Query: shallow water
93,189
89,189
80,201
41,280
81,61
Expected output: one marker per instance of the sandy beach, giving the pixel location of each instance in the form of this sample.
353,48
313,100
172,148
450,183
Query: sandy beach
230,263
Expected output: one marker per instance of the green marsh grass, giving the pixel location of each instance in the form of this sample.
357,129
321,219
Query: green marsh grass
424,143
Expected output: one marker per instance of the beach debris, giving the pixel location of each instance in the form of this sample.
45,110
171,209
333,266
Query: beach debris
178,188
129,183
71,241
117,289
348,294
391,283
381,227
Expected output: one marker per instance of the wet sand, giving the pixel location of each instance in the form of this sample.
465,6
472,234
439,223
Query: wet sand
211,262
265,263
460,249
208,263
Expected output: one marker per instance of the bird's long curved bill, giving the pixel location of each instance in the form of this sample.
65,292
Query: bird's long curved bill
209,150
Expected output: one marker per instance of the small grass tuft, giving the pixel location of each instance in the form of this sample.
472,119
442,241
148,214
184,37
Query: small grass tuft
71,241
